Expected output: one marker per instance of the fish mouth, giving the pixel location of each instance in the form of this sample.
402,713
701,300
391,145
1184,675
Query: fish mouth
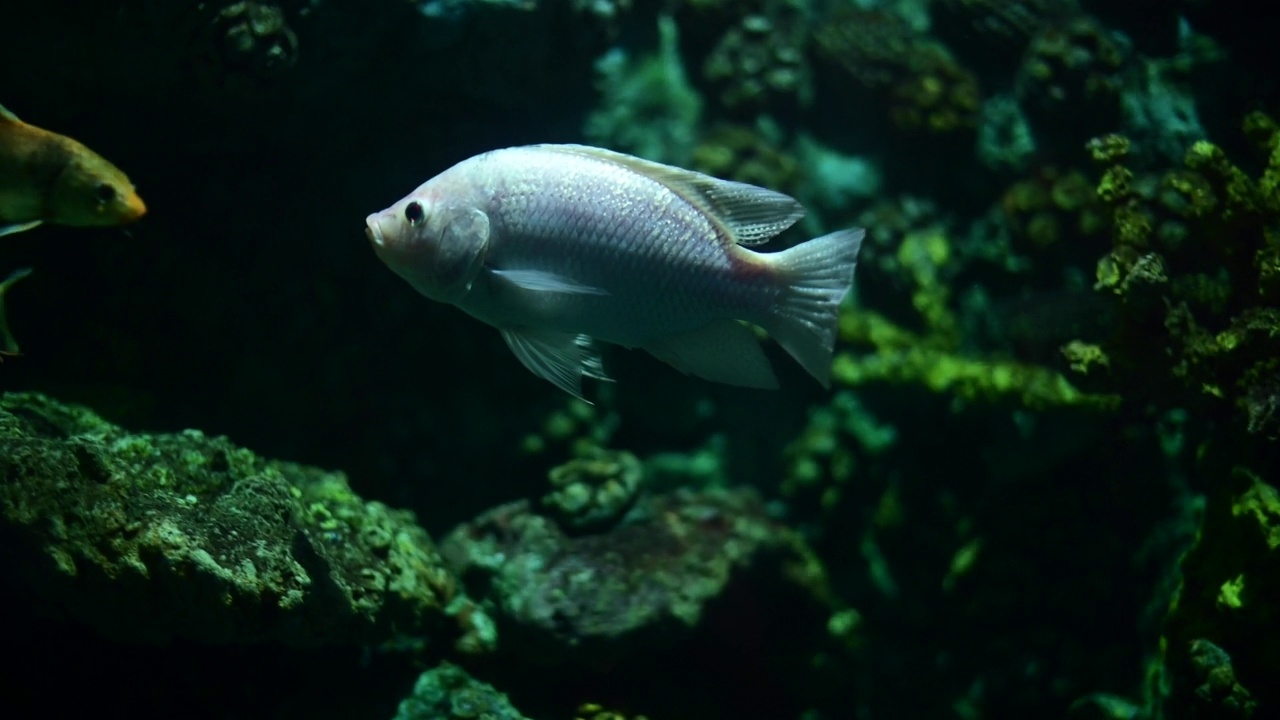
134,208
373,230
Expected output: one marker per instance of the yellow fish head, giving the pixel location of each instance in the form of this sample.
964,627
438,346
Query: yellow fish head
91,191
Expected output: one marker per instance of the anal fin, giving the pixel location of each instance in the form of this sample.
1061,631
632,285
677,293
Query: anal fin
724,351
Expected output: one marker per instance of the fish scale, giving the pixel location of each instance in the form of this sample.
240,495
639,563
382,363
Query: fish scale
608,241
562,247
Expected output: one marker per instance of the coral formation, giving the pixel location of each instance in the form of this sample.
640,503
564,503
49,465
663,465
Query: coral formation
594,490
879,349
255,38
448,692
1073,75
759,62
926,89
1192,264
152,537
1217,653
644,583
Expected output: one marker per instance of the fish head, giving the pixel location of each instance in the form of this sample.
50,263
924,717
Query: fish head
435,244
91,192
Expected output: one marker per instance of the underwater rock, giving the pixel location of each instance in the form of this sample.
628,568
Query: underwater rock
1192,272
1219,634
644,584
1072,78
255,38
1051,206
595,490
447,692
759,64
994,33
155,537
925,90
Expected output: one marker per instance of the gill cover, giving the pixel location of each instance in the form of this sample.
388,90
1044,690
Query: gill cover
460,253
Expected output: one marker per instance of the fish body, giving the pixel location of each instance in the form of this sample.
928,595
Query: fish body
561,246
47,177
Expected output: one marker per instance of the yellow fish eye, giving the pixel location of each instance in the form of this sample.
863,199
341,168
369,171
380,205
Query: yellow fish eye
104,193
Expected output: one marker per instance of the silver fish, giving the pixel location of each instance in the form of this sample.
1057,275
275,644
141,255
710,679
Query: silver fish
560,246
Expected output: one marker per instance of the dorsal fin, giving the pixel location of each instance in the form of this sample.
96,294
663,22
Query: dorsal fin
750,214
5,114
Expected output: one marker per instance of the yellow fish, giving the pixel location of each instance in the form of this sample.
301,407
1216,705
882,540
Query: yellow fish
47,177
8,345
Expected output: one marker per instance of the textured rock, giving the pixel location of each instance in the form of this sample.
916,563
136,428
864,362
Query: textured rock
447,692
153,537
645,583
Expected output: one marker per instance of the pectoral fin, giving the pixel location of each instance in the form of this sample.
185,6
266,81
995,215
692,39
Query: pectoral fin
543,281
558,357
723,351
18,227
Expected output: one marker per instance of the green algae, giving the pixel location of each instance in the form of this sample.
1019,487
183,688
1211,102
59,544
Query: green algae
182,535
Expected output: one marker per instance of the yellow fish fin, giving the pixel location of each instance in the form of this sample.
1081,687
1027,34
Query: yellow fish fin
18,227
8,345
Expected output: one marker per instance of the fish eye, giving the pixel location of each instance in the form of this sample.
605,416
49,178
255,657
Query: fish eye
414,213
104,193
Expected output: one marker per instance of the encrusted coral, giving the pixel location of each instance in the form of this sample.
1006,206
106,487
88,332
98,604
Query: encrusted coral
1002,28
874,348
643,583
822,459
152,537
447,692
760,61
1072,75
927,90
594,490
1193,266
1218,654
254,38
1052,204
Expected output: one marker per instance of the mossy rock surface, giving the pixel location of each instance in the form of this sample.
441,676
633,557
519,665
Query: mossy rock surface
152,537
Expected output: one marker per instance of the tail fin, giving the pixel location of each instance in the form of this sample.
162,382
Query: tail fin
816,275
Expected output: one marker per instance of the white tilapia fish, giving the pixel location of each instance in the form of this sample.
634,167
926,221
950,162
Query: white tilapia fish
560,246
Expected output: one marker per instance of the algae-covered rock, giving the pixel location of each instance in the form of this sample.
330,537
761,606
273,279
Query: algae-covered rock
153,537
645,583
593,490
1220,651
447,692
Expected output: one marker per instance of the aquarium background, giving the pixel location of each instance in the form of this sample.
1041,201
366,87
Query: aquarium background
249,472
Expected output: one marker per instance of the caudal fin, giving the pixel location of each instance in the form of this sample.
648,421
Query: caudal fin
816,275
